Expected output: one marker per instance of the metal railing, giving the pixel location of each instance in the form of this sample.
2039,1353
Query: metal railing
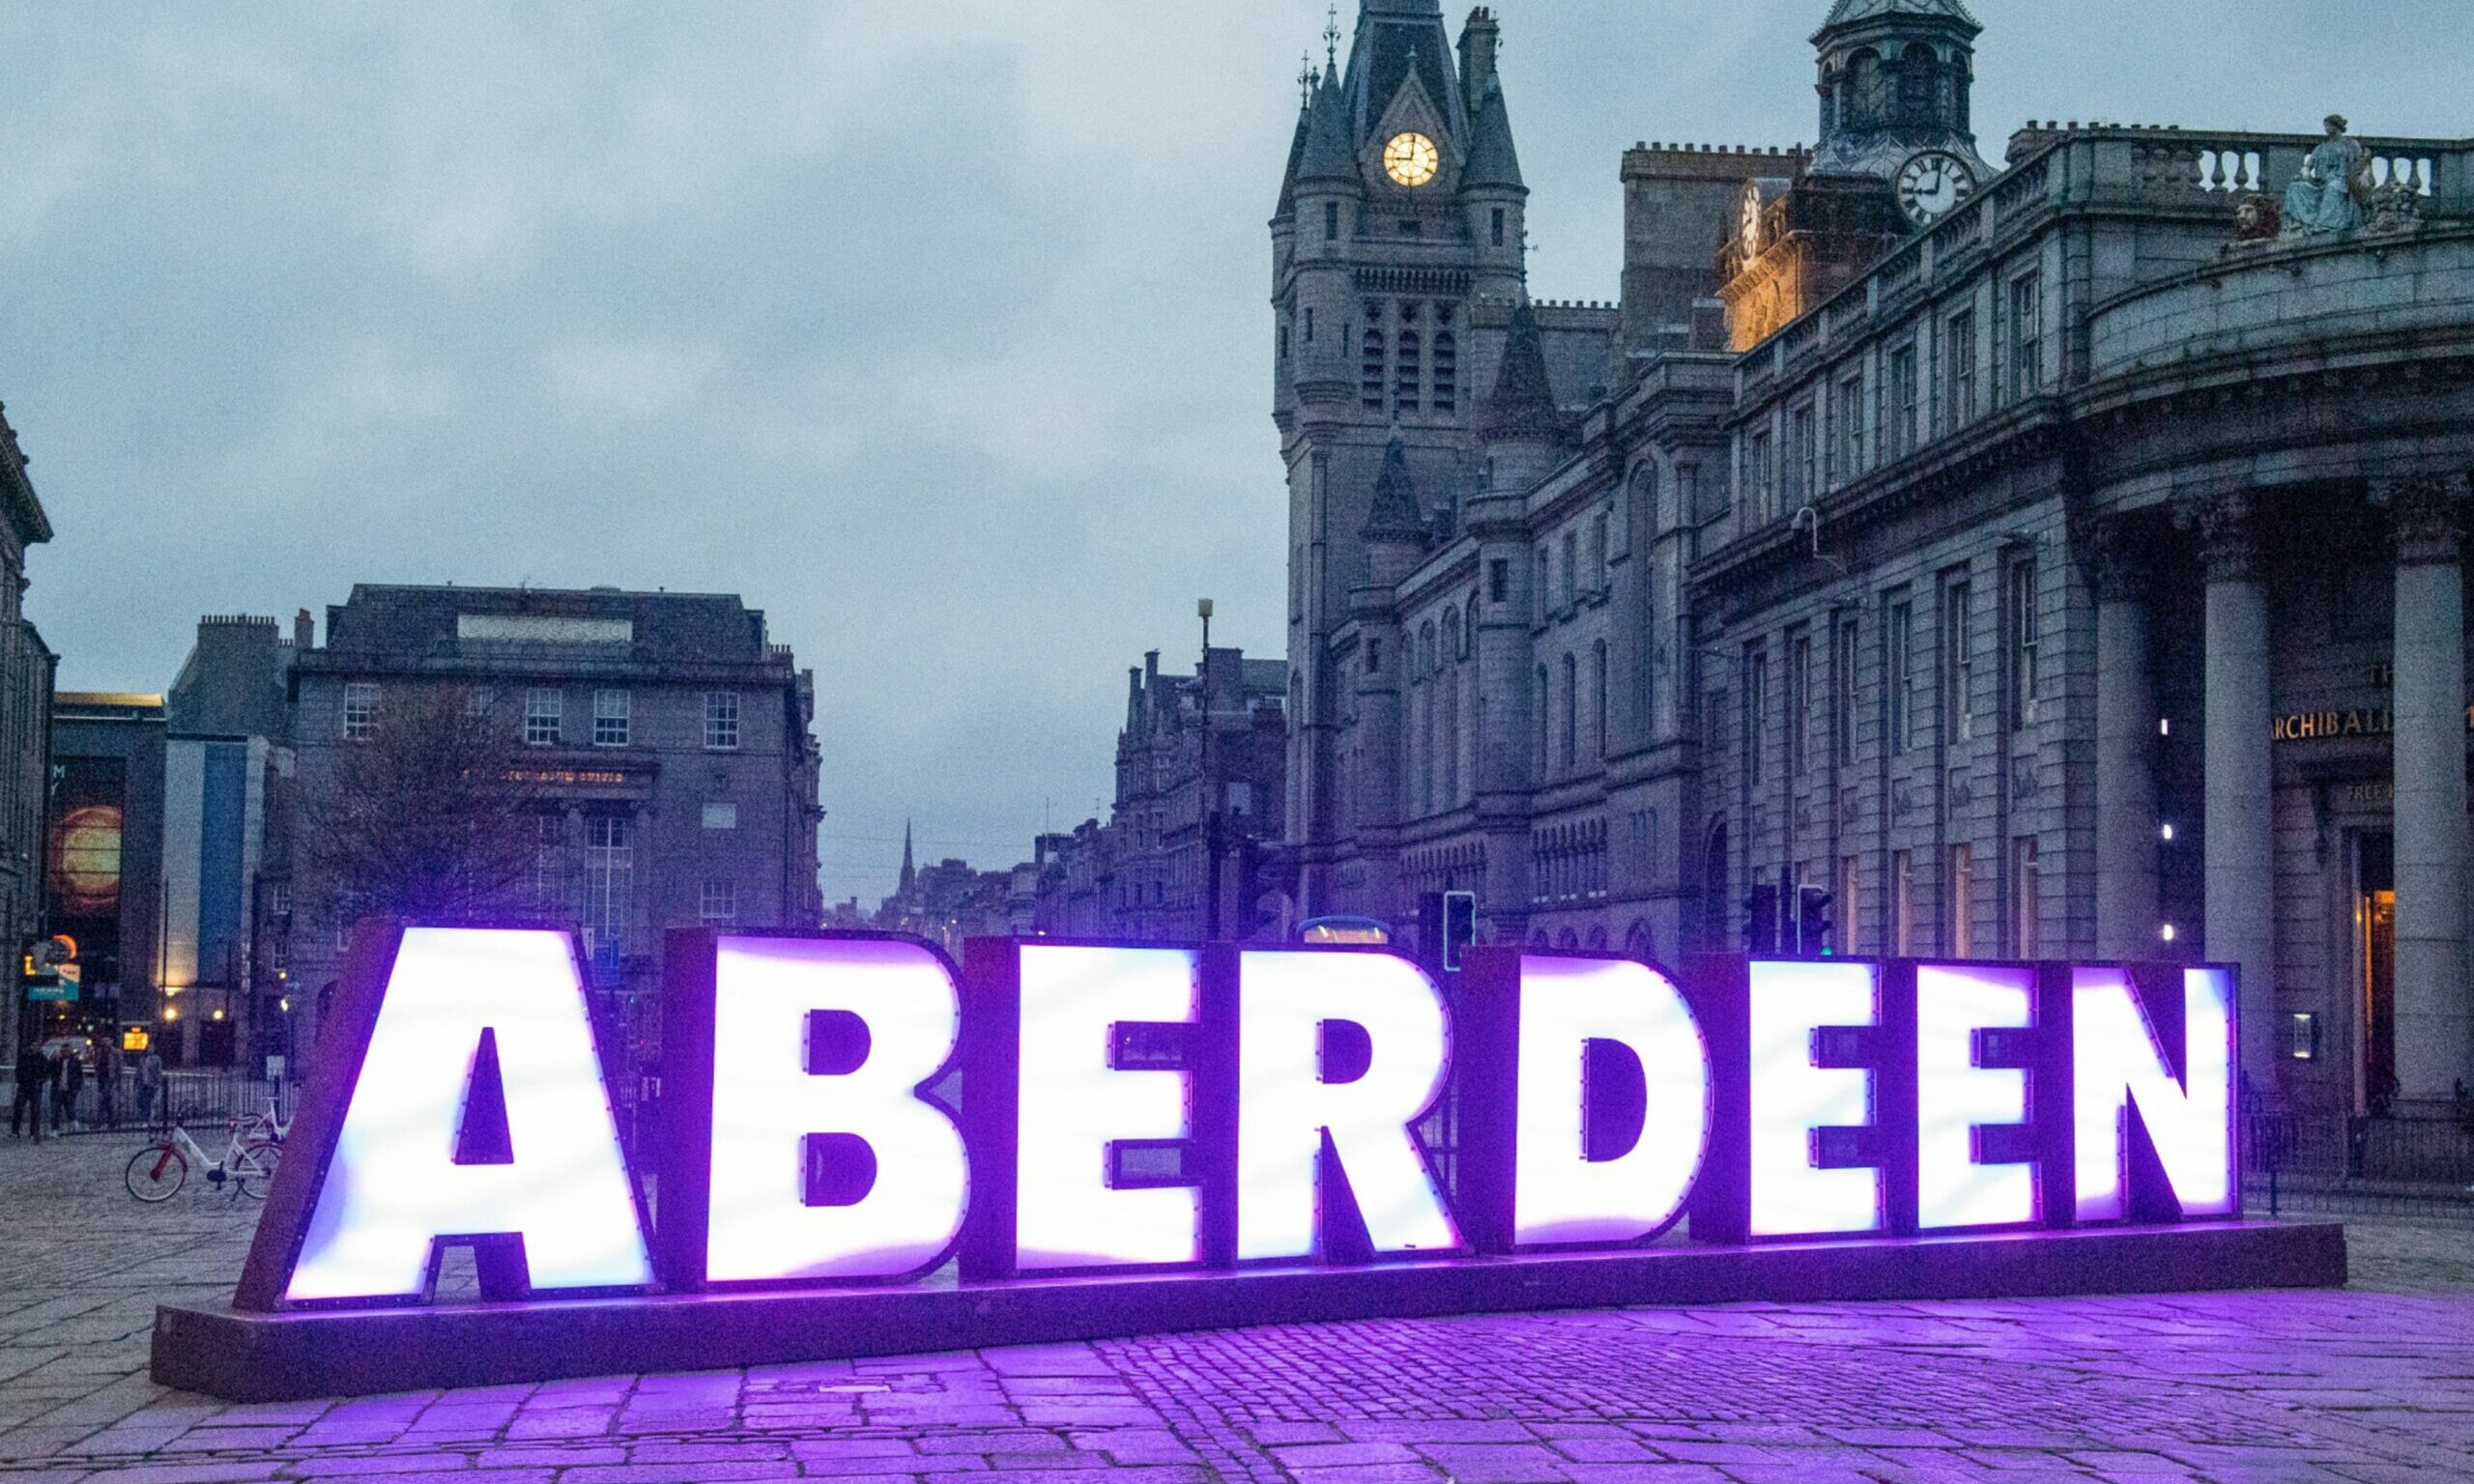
2334,1161
198,1096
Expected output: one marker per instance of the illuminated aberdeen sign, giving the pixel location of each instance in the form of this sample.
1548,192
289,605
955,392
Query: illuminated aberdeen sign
1105,1139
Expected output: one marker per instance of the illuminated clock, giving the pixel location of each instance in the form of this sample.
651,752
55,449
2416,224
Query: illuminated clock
1933,185
1411,161
1751,223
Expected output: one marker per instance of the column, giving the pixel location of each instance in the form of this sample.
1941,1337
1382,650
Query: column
2242,843
2434,1024
2127,914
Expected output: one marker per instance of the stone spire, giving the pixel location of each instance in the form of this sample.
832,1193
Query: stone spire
1523,403
1396,515
1493,158
1328,157
909,871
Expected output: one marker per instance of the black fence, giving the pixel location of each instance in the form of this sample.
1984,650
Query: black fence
201,1098
2372,1166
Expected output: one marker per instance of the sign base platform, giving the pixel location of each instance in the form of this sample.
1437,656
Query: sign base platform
293,1356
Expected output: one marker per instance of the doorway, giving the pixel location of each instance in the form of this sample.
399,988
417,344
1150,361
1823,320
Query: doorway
2376,913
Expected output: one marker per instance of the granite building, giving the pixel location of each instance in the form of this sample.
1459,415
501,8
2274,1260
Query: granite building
1201,791
666,747
2056,558
26,671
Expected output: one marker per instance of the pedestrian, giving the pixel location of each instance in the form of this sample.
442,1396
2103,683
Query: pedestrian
33,1069
107,1085
72,1082
149,1085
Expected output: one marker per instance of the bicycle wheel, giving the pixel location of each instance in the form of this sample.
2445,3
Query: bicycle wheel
156,1173
253,1168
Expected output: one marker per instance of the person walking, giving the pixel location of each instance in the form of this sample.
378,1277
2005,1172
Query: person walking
34,1072
149,1086
72,1082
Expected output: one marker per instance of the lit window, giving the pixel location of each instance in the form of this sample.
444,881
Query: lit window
543,710
610,716
721,720
719,907
721,816
360,711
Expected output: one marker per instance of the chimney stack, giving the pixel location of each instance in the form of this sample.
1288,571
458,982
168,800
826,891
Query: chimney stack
305,632
1478,41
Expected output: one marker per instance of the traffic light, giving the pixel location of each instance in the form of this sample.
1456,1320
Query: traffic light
1816,935
1761,920
1460,927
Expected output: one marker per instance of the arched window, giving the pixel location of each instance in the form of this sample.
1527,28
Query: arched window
1450,740
1546,699
1866,92
1369,387
1598,935
1919,81
1408,365
1451,653
1469,631
1425,649
1637,942
1446,372
1566,939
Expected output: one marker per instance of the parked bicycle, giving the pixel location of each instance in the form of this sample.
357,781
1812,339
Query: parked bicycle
156,1172
273,1126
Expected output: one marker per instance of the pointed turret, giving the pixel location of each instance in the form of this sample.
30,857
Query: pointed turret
1523,404
1327,158
1494,161
1395,515
1287,207
909,871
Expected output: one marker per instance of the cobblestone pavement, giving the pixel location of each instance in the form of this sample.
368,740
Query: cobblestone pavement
2376,1384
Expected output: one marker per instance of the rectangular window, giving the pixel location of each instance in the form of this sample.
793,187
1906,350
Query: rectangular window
1597,546
1851,428
610,718
719,903
1961,355
1842,707
2026,336
1905,408
1799,699
1309,325
1497,226
2026,894
1846,908
360,711
1571,568
543,711
1803,475
1598,694
721,720
1902,928
609,885
1756,713
1572,710
1544,572
1331,221
549,865
721,815
1756,479
1962,901
1498,581
1958,664
1898,684
2025,637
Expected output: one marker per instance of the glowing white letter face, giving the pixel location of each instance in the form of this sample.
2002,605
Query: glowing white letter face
1559,1196
766,1104
1286,1107
2116,1066
1792,1098
393,1187
1074,1104
1954,1097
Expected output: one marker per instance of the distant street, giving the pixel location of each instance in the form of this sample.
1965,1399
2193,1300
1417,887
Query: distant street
2371,1385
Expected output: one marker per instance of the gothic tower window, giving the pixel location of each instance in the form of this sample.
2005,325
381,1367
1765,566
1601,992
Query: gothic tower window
1371,370
1918,83
1408,364
1867,92
1331,221
1447,364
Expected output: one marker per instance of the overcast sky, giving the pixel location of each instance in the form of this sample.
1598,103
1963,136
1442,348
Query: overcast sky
935,327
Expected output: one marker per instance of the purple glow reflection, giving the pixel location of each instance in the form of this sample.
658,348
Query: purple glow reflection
1559,1196
2119,1066
1954,1097
393,1187
1286,1107
1074,1104
1792,1097
766,1103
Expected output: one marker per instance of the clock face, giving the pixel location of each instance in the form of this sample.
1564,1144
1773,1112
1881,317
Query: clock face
1932,185
1751,223
1411,161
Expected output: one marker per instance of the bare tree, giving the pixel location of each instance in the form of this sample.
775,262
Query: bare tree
433,817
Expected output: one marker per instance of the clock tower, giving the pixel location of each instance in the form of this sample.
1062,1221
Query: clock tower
1397,253
1897,154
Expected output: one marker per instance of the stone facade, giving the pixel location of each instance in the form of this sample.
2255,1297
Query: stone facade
674,743
26,671
2039,562
1147,872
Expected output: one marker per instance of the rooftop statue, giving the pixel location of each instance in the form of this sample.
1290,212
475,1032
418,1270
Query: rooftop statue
2335,185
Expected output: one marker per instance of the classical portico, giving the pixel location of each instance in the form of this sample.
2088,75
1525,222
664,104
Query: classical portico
2241,776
